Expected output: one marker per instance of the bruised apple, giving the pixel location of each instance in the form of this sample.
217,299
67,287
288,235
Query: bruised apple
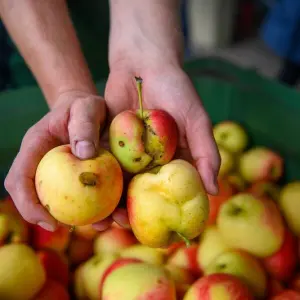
143,139
77,192
168,205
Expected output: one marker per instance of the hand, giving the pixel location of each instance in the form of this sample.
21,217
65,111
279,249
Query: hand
75,119
169,88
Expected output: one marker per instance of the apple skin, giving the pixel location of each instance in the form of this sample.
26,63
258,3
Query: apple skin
86,231
251,224
78,284
227,161
167,203
289,203
141,144
287,295
138,281
55,265
236,181
231,135
226,190
211,245
260,163
114,240
265,188
282,264
294,283
274,287
186,258
52,290
244,266
57,240
218,287
77,192
24,274
144,253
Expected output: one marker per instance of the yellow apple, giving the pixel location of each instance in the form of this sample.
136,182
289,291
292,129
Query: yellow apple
244,266
289,203
210,247
227,161
21,273
165,206
251,224
77,192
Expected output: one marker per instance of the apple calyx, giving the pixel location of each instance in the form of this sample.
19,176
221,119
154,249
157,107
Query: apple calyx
236,210
88,178
186,241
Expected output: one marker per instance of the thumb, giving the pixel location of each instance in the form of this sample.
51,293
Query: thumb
86,115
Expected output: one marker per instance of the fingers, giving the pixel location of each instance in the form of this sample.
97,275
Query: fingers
120,216
20,180
86,114
203,147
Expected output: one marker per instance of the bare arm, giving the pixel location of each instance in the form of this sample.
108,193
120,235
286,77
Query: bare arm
44,34
145,31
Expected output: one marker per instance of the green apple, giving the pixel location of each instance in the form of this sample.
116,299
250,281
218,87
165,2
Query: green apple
231,136
289,203
210,247
251,224
244,266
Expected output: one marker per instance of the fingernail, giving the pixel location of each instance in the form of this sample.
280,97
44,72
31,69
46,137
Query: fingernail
46,226
85,149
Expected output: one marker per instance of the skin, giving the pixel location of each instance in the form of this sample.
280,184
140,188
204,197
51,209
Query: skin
76,112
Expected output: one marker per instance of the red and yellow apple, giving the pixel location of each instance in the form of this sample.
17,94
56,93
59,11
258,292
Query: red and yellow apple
169,205
114,240
218,287
289,203
287,295
143,139
282,264
86,231
52,290
78,192
265,189
231,135
21,274
260,163
244,266
78,284
251,224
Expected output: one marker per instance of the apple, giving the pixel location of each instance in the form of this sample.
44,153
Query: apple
227,161
186,258
236,181
143,139
265,188
144,253
244,266
138,280
226,190
167,206
287,295
114,240
52,290
182,278
211,245
93,270
251,224
294,283
218,287
289,203
231,135
86,231
80,249
260,163
78,284
57,240
282,264
4,228
168,251
77,192
274,287
22,275
55,265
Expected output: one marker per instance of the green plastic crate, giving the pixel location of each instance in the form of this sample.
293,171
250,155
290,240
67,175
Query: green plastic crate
268,110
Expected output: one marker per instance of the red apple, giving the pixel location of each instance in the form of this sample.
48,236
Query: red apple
217,287
55,265
282,264
57,240
295,283
265,188
52,290
274,287
287,295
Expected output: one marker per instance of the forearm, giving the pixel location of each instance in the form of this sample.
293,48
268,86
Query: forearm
145,32
44,34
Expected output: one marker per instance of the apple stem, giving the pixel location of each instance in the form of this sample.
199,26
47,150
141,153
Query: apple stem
72,228
139,82
186,241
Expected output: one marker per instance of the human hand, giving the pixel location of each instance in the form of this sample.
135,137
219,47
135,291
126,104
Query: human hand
75,119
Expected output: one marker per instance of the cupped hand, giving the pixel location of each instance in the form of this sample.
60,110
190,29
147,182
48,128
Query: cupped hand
170,89
75,119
